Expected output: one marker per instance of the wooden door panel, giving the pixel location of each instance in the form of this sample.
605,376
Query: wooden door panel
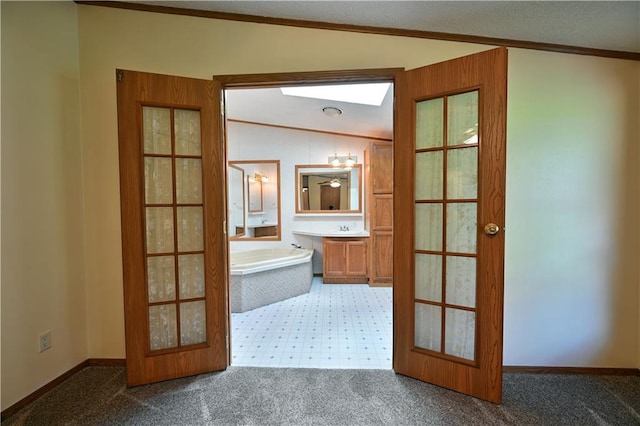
189,267
435,91
382,165
356,258
335,257
382,215
382,254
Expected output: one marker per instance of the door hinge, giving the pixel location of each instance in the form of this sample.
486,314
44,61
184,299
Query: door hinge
119,75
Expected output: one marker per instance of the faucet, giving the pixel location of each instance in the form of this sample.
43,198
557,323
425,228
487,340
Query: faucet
296,245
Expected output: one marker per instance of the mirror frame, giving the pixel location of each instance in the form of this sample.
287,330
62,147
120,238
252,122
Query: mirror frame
278,235
298,172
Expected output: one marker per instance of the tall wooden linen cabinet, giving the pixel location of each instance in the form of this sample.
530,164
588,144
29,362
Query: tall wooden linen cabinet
379,212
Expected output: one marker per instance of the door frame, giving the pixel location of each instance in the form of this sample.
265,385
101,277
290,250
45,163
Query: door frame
255,81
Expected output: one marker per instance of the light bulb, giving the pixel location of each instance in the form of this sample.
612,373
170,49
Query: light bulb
336,161
349,163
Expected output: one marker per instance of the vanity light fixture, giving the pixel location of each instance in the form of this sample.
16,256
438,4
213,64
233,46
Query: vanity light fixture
342,162
257,177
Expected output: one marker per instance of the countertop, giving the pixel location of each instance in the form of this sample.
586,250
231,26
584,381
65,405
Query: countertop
343,234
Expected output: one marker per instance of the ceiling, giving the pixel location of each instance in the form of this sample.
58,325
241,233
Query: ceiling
270,106
608,25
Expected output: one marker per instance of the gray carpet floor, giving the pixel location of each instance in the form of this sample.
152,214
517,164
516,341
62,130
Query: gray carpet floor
267,396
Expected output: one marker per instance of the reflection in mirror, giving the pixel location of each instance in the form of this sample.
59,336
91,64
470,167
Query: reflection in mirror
323,189
235,192
259,186
255,195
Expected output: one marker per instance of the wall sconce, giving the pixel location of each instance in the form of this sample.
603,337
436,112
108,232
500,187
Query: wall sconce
346,162
257,177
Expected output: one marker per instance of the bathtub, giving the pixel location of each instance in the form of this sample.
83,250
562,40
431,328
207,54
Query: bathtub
263,276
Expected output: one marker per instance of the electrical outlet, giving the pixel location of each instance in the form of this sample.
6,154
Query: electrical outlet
44,341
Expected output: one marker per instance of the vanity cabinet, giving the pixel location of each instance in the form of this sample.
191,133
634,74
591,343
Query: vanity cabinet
344,260
379,167
265,231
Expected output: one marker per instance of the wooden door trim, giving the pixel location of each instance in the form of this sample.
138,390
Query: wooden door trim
308,77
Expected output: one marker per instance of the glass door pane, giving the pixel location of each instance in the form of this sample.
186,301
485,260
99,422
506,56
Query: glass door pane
446,226
174,227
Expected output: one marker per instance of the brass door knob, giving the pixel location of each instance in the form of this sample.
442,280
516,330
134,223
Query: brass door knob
491,229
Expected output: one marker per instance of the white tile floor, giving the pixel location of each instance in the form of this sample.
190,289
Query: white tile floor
333,326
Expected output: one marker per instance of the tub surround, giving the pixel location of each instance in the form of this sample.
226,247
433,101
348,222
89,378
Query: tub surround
264,276
257,260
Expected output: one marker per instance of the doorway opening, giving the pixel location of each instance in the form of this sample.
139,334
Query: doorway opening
345,324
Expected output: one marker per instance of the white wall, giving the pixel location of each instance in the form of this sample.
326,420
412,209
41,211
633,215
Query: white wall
573,228
292,147
43,286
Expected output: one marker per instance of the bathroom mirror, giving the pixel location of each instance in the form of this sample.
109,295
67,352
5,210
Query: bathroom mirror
259,183
323,189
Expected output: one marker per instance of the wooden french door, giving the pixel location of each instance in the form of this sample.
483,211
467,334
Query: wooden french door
449,190
172,197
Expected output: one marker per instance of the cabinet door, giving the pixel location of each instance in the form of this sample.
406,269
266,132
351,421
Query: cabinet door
382,168
334,257
382,257
356,257
382,214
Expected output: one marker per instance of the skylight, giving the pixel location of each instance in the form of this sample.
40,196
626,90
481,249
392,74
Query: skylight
366,94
